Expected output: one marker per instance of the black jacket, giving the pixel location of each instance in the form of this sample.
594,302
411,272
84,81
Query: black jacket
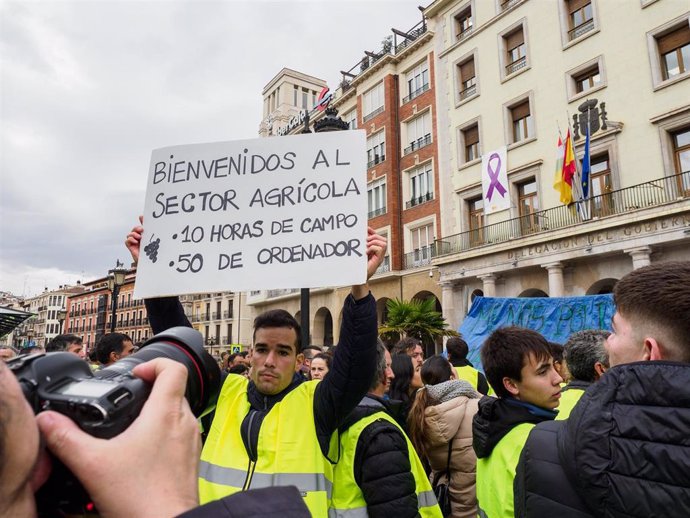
270,502
623,452
498,416
482,384
382,463
335,397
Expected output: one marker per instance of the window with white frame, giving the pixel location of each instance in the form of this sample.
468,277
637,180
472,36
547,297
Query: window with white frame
376,148
463,23
417,81
421,185
372,102
669,52
421,239
418,132
522,120
351,119
376,197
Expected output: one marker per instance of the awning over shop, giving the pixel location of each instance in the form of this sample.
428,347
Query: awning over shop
11,318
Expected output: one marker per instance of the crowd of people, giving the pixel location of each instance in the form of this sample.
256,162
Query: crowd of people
597,427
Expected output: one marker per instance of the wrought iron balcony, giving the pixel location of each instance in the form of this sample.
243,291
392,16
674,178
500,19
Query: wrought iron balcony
581,29
623,201
227,314
385,265
508,4
516,65
419,200
377,160
416,93
377,212
373,114
464,34
468,92
417,144
412,35
420,257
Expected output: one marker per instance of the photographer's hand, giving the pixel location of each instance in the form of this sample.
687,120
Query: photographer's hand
148,470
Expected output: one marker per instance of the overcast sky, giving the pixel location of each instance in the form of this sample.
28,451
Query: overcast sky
89,88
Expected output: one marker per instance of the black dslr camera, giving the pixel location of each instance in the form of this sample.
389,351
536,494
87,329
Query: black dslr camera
104,403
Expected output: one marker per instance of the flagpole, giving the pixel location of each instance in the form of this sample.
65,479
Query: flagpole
584,213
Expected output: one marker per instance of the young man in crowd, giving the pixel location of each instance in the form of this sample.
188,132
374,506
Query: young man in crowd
624,449
457,356
67,343
276,429
411,347
112,347
379,474
520,368
586,359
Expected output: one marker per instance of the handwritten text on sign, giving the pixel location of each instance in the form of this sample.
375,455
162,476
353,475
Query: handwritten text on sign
270,213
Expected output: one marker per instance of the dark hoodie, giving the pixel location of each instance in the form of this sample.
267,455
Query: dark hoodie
498,416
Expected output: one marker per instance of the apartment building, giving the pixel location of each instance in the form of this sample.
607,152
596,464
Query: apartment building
391,94
511,74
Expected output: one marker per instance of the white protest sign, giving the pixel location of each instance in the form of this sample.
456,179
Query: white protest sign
268,213
495,181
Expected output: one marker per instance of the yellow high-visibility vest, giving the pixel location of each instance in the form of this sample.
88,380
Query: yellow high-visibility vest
496,472
471,375
288,451
569,399
348,500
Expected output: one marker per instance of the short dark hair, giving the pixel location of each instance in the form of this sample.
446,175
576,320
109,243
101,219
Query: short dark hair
457,348
243,354
507,350
556,351
62,342
582,350
238,369
380,372
325,357
403,368
659,295
109,343
406,344
278,318
435,370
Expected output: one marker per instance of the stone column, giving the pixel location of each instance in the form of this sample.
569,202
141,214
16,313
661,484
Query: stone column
450,312
556,285
640,256
489,284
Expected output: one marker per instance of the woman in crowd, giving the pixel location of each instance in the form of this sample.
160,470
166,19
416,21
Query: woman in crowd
320,365
440,424
403,386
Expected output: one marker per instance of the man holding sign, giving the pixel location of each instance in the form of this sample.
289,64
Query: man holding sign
276,429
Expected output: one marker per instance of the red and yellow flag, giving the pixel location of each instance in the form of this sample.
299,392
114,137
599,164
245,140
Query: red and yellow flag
565,170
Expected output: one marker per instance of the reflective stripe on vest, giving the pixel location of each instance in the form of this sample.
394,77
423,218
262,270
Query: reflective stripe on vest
348,500
288,451
495,474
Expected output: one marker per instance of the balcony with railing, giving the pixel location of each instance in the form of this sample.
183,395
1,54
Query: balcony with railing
418,144
508,4
410,36
227,314
464,34
623,201
377,160
416,93
419,200
516,65
581,29
468,92
376,212
385,265
373,114
420,257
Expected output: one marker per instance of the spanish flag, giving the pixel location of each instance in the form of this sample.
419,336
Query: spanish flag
565,170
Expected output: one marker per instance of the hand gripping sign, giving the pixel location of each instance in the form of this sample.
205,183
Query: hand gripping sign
269,213
495,181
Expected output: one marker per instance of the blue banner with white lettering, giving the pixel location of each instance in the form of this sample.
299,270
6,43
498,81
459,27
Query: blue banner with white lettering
555,318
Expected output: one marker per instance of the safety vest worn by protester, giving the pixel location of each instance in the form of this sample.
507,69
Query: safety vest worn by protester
569,399
495,474
348,500
288,451
471,375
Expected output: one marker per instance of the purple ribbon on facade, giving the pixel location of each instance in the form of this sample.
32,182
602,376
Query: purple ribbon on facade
493,176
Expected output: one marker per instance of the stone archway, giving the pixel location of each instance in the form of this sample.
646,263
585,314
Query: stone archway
602,287
533,292
436,347
322,330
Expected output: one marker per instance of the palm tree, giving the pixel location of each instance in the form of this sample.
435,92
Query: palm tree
416,318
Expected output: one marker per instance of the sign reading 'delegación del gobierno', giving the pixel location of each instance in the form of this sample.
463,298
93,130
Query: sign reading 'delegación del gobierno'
268,213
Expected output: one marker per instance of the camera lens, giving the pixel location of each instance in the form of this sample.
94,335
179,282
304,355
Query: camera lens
184,345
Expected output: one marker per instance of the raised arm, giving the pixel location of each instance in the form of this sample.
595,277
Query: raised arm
355,357
164,312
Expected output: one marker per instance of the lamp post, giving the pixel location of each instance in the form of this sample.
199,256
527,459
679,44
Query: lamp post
61,316
116,278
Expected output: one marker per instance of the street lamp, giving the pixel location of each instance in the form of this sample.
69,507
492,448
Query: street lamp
61,316
116,278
